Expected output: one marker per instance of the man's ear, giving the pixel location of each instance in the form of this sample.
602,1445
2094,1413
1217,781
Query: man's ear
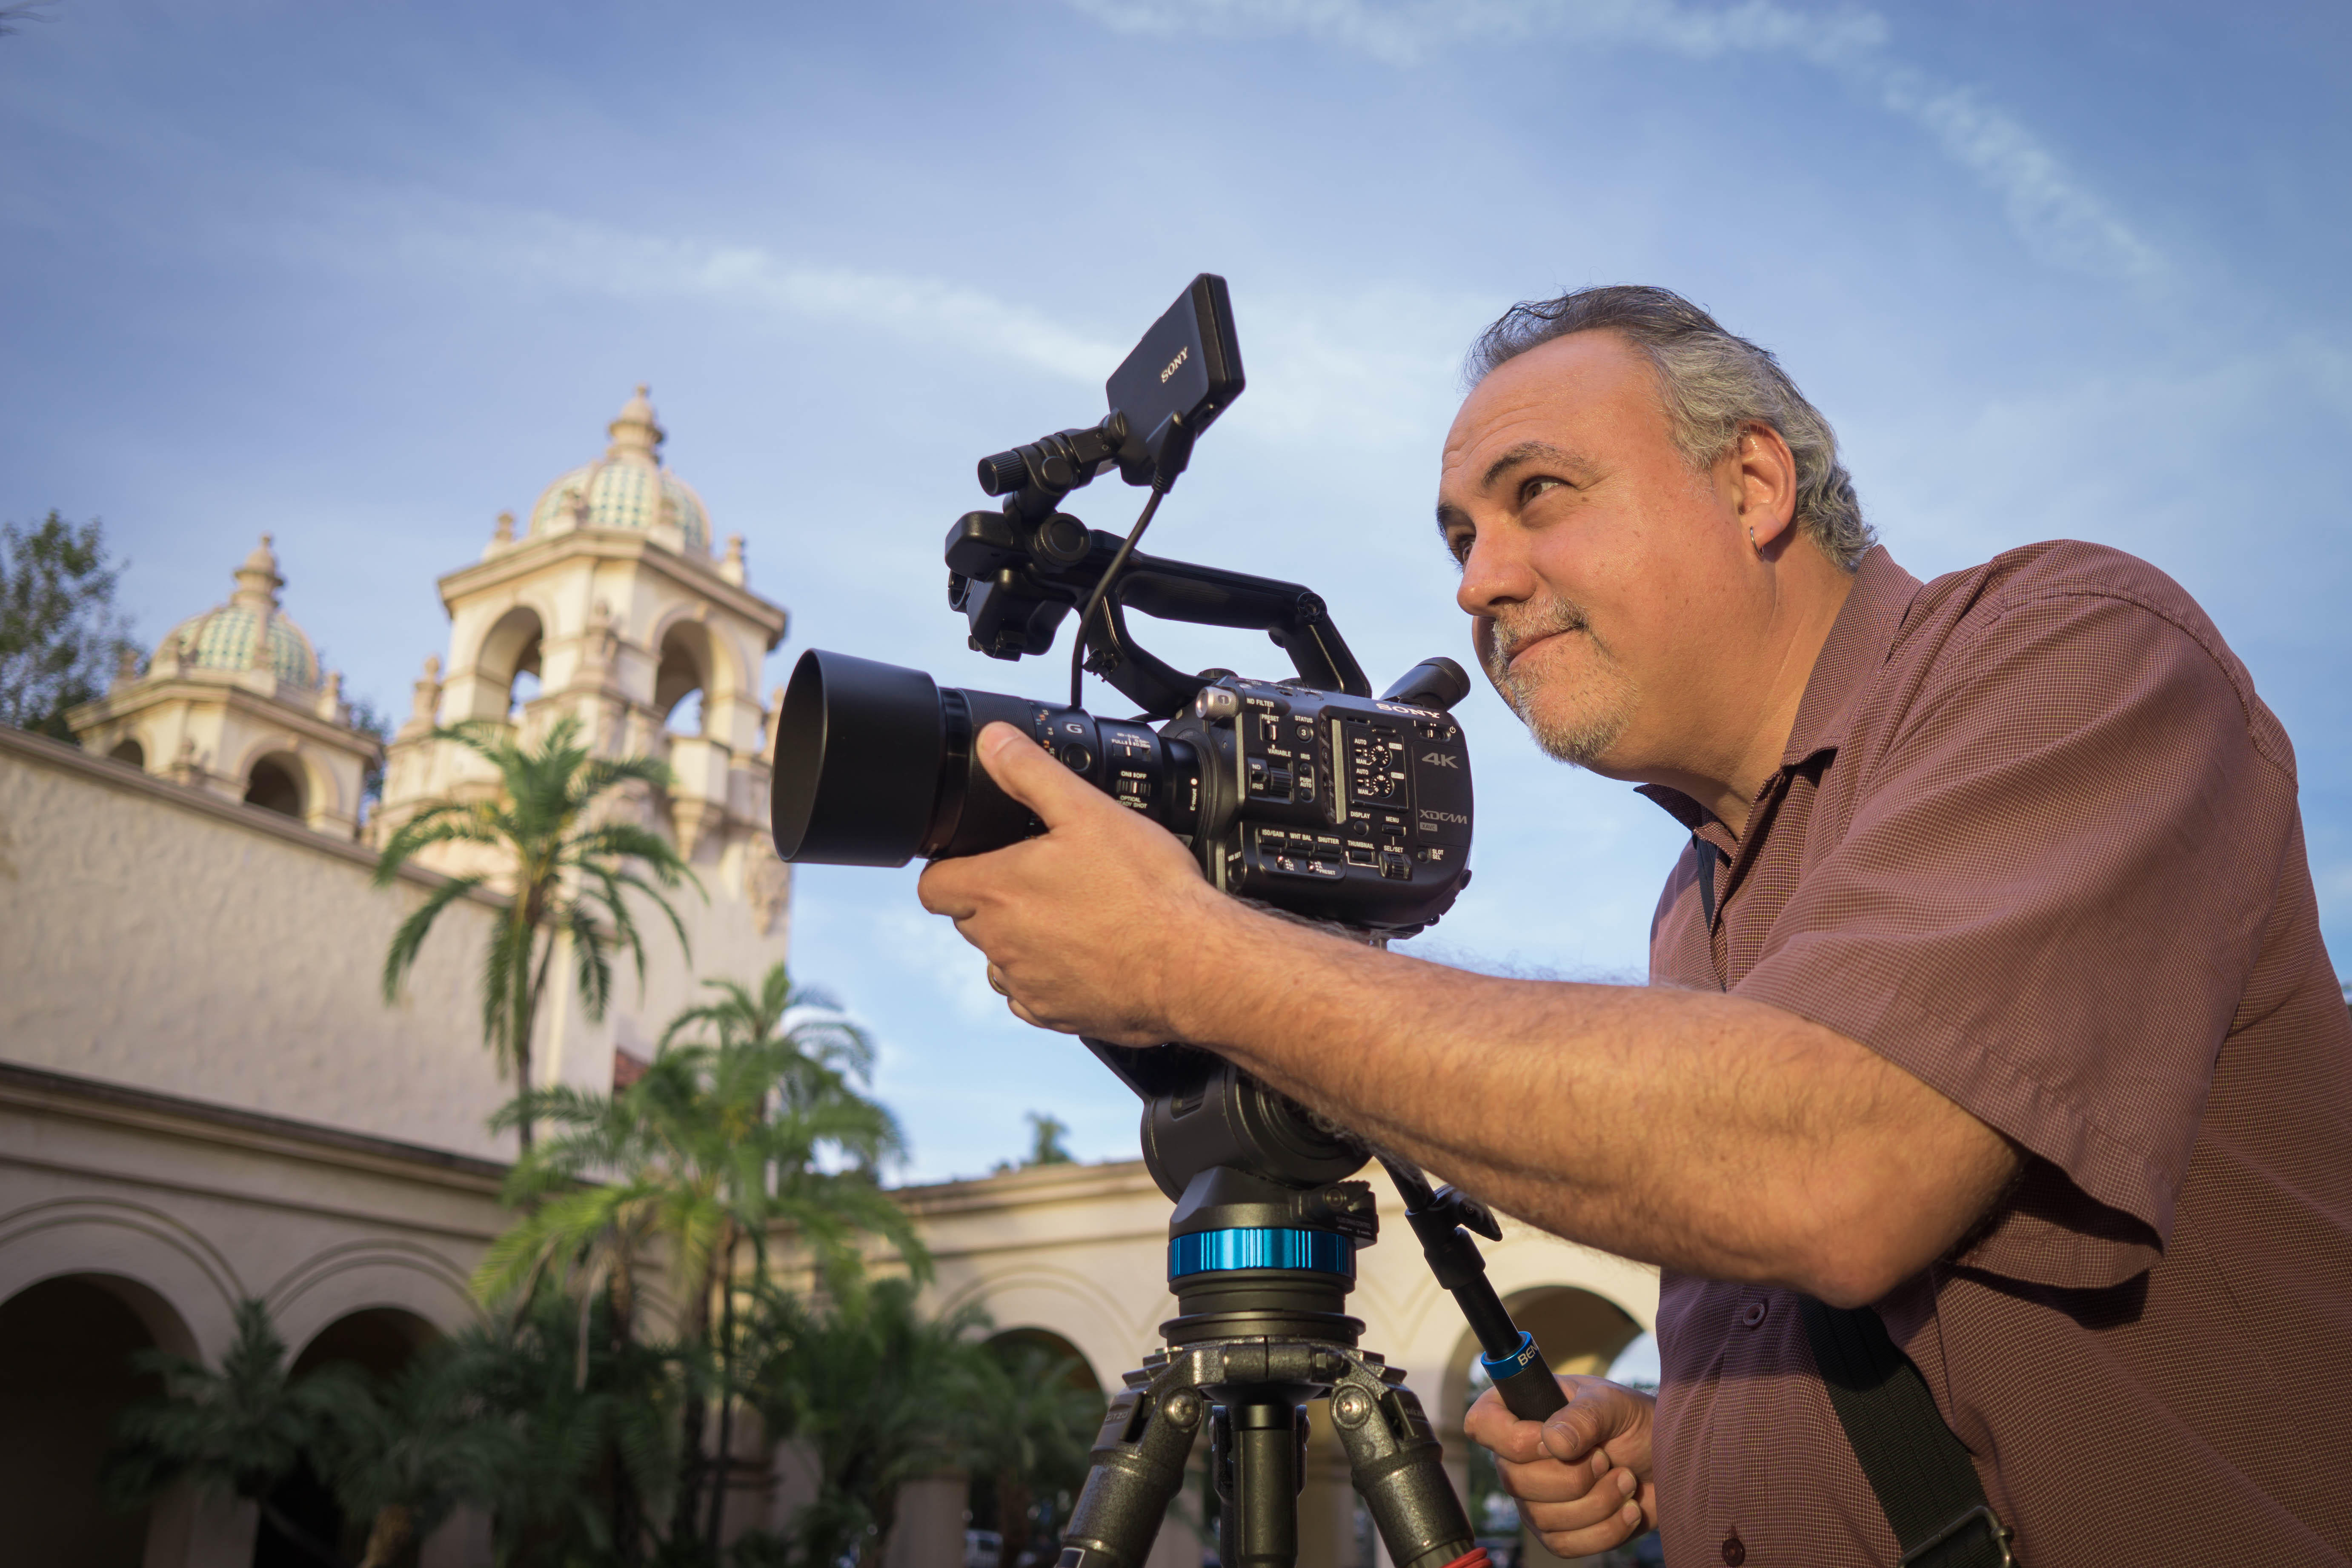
1764,480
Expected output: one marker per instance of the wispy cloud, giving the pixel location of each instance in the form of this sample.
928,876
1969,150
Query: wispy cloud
2058,216
544,249
1367,368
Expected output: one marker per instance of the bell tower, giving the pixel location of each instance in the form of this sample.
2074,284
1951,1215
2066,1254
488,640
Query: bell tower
233,702
609,606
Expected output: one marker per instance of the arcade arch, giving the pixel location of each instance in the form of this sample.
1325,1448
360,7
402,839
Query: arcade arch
65,1345
380,1341
993,1505
129,752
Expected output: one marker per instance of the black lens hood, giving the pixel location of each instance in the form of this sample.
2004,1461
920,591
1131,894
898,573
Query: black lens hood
858,749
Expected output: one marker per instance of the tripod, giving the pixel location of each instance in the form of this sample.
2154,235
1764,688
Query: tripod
1261,1256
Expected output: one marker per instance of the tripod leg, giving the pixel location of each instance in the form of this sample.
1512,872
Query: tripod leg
1400,1471
1138,1467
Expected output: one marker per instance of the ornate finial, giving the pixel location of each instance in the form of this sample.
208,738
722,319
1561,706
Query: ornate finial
126,664
258,581
635,433
732,568
504,532
428,699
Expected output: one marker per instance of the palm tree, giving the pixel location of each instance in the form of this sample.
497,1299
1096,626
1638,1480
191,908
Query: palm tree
234,1431
883,1395
1039,1417
590,1421
723,1139
420,1447
565,865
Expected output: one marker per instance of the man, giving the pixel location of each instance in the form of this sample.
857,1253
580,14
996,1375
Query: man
1989,992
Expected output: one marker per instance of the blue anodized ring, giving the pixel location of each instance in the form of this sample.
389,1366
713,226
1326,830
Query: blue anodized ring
1217,1251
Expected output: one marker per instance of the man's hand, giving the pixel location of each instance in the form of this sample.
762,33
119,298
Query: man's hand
1583,1477
1083,925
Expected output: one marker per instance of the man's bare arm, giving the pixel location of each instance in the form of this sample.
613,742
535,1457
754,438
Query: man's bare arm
1709,1133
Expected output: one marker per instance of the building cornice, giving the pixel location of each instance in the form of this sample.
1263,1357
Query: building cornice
48,1093
534,553
196,691
40,749
1027,1188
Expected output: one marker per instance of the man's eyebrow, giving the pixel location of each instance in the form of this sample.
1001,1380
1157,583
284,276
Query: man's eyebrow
1579,466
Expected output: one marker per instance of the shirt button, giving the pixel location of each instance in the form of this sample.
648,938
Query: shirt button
1750,1316
1734,1551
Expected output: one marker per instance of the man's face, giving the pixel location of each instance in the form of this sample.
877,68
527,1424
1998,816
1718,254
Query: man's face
1592,556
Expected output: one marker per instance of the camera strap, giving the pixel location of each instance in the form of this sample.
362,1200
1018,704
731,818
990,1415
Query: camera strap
1918,1470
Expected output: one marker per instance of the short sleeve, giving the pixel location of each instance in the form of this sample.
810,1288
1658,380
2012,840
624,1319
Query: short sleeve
2046,904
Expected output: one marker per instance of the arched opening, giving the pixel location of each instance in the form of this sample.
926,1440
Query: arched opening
129,752
65,1375
510,658
1017,1510
683,678
380,1341
275,784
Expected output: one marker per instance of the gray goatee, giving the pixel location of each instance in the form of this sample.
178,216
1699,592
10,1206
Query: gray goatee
1607,696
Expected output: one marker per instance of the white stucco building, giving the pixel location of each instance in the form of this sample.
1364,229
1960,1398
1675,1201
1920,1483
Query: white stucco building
202,1097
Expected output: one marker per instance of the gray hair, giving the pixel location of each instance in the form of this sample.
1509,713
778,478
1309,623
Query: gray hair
1711,382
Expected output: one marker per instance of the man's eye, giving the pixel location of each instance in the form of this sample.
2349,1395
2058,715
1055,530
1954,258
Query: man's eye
1536,487
1458,546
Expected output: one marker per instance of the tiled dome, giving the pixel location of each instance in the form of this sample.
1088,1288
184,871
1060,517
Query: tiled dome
223,638
626,487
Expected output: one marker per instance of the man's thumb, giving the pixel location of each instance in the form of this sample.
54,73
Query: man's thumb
1031,774
1584,1424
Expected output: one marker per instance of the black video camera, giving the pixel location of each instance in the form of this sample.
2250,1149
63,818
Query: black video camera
1307,793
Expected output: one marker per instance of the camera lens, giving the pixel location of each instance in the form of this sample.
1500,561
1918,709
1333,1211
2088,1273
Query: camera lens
858,749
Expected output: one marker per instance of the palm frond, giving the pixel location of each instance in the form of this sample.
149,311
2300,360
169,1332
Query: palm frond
608,773
444,822
406,942
592,969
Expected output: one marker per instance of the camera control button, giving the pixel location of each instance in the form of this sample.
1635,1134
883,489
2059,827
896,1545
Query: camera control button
1076,758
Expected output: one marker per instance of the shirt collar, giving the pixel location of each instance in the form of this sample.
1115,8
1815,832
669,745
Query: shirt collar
1858,644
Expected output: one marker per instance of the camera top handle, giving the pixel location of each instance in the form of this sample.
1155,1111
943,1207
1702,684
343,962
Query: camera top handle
1016,582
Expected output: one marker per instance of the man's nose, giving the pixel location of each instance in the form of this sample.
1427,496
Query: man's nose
1494,574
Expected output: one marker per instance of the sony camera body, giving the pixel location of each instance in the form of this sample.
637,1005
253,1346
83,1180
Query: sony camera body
1307,793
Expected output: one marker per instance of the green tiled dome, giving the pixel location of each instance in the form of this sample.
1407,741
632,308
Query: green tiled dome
627,487
223,639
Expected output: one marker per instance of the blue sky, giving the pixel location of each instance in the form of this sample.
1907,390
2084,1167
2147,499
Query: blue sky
363,277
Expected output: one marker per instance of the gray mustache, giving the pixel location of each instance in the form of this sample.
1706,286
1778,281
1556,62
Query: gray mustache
1553,618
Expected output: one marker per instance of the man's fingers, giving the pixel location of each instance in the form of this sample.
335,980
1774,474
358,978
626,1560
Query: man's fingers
1549,1480
1025,771
941,890
1583,1537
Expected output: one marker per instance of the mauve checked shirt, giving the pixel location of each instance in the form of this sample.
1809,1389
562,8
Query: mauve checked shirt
2035,840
